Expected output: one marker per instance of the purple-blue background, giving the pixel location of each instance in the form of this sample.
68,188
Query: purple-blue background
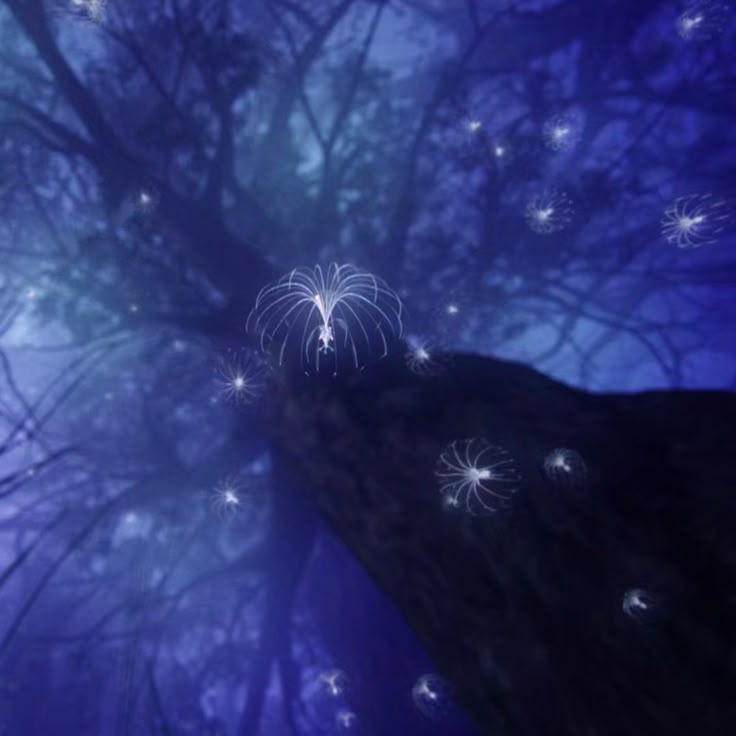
161,162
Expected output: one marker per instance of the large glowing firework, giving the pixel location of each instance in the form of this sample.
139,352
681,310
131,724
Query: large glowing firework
477,476
333,318
694,221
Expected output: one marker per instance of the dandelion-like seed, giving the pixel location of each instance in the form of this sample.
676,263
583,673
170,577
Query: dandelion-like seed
333,682
549,212
226,497
562,132
430,695
241,378
345,720
639,604
566,469
422,360
330,318
702,20
695,221
477,475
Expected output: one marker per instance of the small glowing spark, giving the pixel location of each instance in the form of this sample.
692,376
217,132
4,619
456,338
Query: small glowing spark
147,201
429,693
345,720
421,359
638,603
334,682
133,308
241,378
473,125
562,132
566,469
226,497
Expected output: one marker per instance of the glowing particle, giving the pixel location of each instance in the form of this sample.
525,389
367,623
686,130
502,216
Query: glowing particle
430,695
330,319
566,469
241,378
702,20
226,497
549,212
639,604
132,525
133,308
333,682
695,221
476,475
450,312
562,132
146,200
472,125
422,359
345,720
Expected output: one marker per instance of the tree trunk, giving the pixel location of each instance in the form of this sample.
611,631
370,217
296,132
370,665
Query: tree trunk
522,611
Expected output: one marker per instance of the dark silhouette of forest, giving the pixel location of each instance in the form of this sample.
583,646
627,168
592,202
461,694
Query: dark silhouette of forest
161,163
